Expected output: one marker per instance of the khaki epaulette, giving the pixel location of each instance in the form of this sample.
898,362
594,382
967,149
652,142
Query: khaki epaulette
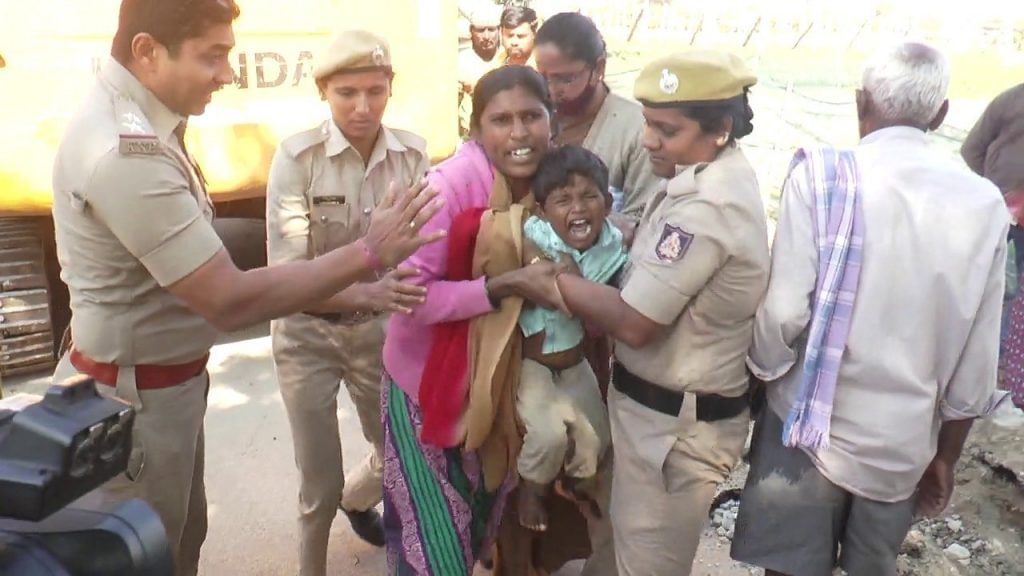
411,140
297,144
135,135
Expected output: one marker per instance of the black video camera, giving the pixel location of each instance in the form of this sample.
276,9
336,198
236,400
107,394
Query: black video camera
54,453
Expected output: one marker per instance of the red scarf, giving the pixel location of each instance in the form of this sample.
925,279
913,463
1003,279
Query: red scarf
445,385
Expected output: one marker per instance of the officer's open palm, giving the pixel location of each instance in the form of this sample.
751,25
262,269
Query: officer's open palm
394,232
392,294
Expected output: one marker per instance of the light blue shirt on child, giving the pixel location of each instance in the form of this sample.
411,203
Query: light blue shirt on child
597,264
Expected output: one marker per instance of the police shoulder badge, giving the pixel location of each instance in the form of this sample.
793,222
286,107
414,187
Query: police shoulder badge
673,244
134,132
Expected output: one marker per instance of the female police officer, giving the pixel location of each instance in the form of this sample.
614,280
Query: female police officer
324,183
683,318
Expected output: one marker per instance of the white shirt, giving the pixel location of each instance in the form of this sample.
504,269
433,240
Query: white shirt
924,335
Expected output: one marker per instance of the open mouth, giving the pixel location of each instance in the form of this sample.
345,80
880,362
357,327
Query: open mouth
524,154
580,229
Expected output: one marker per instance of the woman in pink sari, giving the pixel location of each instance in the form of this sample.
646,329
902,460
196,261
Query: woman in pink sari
440,510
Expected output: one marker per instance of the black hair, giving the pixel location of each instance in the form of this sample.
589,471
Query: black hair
515,16
169,22
506,78
712,114
575,35
560,164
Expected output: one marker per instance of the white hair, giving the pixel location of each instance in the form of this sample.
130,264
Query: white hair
907,83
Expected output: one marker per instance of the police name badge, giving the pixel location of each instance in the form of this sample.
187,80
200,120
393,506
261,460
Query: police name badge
673,244
145,144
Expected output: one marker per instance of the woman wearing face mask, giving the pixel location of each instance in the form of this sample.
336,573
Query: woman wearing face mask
448,394
571,55
683,317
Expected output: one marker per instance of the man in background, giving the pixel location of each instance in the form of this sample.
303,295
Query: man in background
484,55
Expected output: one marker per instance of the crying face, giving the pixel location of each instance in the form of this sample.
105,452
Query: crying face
576,212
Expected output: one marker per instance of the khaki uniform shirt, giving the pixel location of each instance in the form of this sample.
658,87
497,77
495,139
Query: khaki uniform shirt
699,265
320,194
617,137
924,333
132,217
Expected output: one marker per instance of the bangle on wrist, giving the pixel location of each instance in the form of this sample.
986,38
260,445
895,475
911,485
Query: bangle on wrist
372,259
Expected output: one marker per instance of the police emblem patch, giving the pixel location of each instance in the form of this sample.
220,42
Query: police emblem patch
673,244
669,82
377,56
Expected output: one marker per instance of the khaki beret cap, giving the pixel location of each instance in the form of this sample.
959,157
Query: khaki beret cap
353,49
693,76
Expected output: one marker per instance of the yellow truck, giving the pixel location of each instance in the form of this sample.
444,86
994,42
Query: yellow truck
49,53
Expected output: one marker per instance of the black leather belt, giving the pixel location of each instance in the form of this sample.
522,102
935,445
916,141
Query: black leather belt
710,407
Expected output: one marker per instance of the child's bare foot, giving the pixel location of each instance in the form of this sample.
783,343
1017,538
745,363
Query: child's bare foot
532,514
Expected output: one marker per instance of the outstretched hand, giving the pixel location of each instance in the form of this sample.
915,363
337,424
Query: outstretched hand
393,234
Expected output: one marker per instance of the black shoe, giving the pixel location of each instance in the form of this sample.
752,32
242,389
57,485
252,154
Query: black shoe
367,525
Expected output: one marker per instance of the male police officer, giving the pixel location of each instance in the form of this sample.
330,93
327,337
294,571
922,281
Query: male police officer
150,281
323,185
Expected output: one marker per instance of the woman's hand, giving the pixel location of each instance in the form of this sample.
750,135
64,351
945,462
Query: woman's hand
391,294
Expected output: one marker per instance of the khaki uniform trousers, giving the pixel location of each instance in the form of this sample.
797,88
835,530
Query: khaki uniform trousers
165,467
312,357
555,406
667,470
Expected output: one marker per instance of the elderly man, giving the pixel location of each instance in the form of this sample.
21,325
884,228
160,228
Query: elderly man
878,336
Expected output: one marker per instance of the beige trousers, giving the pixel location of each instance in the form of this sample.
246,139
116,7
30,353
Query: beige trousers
667,470
312,357
166,464
555,406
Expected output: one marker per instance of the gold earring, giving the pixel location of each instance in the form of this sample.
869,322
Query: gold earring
722,140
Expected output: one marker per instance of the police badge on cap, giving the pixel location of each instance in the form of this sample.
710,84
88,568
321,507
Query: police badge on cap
693,76
354,51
